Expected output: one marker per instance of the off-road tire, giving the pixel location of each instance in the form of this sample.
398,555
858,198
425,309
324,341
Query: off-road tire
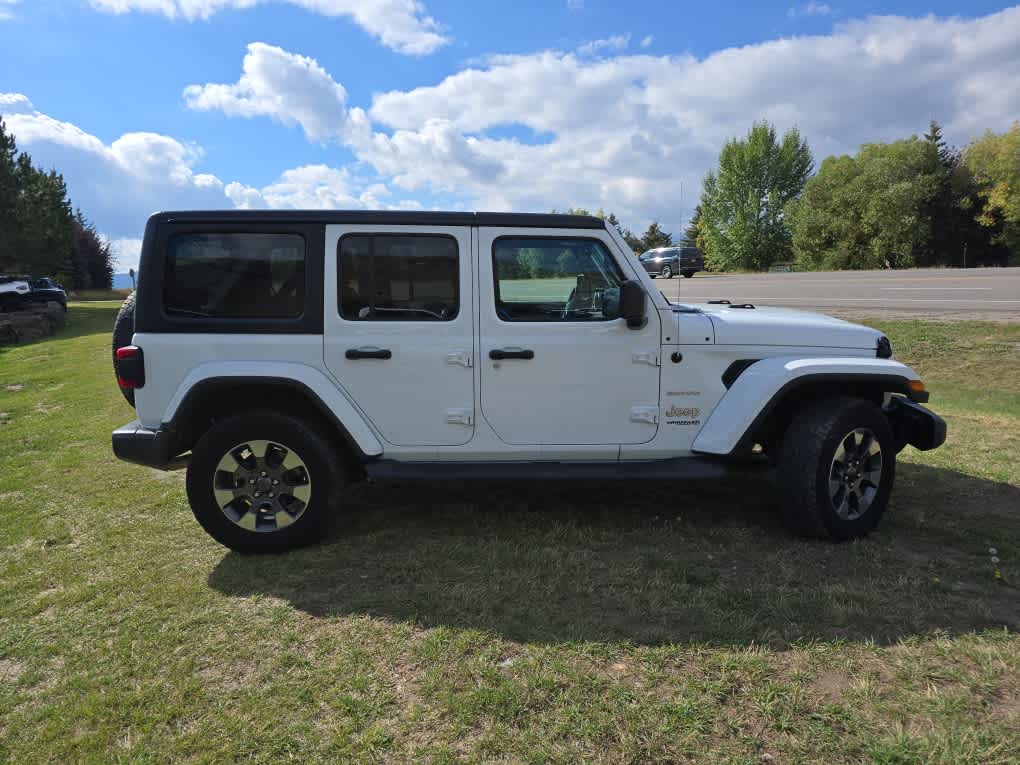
123,329
805,460
307,439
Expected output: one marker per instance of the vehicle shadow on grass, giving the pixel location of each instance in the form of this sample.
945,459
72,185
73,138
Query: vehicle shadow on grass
654,563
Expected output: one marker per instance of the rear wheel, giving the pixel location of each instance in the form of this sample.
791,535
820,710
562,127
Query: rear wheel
836,468
264,482
688,274
667,272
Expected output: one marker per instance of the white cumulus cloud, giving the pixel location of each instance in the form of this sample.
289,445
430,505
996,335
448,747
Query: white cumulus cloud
7,9
636,133
126,253
811,8
402,25
615,43
288,87
632,133
118,184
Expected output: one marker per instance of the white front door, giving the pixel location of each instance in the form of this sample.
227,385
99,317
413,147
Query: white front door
555,369
399,329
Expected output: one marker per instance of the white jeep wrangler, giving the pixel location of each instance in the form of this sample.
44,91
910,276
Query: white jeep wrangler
280,355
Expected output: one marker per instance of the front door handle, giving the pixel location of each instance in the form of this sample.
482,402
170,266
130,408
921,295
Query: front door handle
511,353
368,353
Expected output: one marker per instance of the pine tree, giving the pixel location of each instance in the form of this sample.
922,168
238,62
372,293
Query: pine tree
956,236
947,157
8,199
655,237
693,229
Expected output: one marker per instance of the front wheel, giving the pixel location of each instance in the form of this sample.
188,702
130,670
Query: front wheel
264,482
835,469
667,272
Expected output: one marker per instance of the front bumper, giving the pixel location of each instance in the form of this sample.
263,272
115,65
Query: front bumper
136,443
915,425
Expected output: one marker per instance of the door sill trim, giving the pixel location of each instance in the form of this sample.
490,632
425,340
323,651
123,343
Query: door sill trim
688,468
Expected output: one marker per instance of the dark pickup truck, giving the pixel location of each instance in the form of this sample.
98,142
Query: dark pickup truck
45,290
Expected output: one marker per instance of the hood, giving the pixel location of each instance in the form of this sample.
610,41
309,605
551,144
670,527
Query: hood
785,326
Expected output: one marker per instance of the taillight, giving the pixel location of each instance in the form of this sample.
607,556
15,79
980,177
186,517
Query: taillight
130,367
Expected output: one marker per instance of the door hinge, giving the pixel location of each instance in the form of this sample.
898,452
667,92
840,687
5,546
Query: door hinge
645,357
460,417
649,414
463,358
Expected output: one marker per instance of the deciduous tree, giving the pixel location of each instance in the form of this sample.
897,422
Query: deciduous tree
867,211
994,161
743,201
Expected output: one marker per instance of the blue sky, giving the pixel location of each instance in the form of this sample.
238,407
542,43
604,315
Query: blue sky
526,105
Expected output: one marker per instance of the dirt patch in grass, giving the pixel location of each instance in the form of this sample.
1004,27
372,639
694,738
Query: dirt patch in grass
10,670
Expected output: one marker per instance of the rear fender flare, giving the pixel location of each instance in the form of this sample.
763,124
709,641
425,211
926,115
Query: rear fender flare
310,382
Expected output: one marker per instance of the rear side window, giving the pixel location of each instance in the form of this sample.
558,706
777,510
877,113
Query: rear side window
235,276
386,277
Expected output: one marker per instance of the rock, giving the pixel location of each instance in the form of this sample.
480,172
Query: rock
33,322
55,313
8,334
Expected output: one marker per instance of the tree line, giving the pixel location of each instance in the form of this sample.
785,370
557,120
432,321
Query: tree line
41,234
915,202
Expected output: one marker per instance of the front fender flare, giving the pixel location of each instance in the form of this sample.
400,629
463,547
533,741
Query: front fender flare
311,380
766,382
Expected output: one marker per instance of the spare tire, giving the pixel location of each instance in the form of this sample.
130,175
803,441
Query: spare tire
123,330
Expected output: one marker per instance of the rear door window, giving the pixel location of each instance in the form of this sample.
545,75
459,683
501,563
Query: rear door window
390,277
235,276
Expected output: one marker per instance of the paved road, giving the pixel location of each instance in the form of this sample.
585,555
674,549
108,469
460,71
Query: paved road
989,293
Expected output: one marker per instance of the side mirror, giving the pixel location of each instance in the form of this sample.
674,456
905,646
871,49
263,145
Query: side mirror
632,303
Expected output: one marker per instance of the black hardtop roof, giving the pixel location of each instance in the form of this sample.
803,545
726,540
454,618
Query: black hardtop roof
383,217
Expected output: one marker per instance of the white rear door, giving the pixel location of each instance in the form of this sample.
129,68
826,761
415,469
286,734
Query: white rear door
399,329
554,370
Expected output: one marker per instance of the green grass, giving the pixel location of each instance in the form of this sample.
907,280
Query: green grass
637,623
98,295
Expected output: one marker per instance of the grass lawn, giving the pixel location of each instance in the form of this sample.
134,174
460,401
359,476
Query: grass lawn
637,623
95,295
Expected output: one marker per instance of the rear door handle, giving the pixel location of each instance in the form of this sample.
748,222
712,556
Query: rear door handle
368,353
511,353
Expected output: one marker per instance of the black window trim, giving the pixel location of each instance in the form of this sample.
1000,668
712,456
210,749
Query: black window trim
149,310
373,235
495,277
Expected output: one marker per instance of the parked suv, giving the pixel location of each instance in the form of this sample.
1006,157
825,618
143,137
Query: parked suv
280,356
669,261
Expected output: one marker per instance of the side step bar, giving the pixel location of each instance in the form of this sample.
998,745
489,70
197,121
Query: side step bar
686,468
